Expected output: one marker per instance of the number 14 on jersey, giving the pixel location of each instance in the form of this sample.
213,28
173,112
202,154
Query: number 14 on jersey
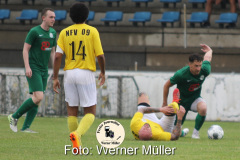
80,51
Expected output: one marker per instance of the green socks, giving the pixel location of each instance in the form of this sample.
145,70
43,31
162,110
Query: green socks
31,114
25,107
199,121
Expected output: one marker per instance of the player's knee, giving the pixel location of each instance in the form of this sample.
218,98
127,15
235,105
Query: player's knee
203,110
37,97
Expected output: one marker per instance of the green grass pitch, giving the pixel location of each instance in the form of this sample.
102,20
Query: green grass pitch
50,142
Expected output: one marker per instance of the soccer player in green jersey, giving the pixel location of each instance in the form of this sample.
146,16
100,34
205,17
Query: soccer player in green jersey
189,81
39,46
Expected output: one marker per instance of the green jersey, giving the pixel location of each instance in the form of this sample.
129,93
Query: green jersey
41,42
190,85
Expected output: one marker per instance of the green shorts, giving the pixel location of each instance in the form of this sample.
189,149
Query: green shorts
38,81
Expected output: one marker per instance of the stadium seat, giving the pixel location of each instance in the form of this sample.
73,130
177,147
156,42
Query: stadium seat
112,16
4,14
60,15
141,17
169,17
109,2
198,17
166,3
196,2
54,2
89,1
229,18
138,2
28,14
91,16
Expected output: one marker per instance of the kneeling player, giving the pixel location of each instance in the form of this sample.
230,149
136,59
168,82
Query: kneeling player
146,126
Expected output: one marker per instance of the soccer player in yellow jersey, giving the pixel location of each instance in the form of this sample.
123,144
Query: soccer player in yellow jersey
81,45
146,126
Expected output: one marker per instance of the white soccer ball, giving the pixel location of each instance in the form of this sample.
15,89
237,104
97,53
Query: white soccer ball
215,132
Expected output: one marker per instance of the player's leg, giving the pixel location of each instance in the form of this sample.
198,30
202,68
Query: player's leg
40,84
143,98
143,101
31,114
184,131
199,105
72,99
35,84
72,126
87,120
72,117
86,92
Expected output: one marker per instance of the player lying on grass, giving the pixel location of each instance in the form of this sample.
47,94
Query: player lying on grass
146,126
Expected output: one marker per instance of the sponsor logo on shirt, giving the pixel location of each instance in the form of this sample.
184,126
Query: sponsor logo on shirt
194,87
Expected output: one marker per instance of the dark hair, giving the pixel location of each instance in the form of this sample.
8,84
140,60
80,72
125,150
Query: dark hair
79,12
44,11
196,57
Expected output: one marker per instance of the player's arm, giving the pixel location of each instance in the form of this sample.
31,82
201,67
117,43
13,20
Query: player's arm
56,67
101,63
166,87
166,110
26,49
177,130
53,55
208,52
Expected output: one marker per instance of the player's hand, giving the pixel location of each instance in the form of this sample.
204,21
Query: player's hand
28,72
181,112
205,48
101,77
167,110
56,85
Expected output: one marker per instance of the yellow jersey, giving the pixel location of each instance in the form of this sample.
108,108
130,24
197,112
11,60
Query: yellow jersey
81,45
157,132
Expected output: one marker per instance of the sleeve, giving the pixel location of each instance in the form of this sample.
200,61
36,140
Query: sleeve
175,79
137,116
97,44
31,36
206,68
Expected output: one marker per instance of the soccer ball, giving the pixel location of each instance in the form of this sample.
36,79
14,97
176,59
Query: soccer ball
215,132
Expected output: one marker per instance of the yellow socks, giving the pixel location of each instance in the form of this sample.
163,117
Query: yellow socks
85,124
72,123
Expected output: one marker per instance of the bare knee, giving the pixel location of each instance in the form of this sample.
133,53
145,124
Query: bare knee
202,108
91,109
72,111
37,97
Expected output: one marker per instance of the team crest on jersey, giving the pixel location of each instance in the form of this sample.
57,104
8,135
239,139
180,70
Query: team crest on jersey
202,77
50,35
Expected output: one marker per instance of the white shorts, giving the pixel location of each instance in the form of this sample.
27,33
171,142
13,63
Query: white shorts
166,122
195,103
80,87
